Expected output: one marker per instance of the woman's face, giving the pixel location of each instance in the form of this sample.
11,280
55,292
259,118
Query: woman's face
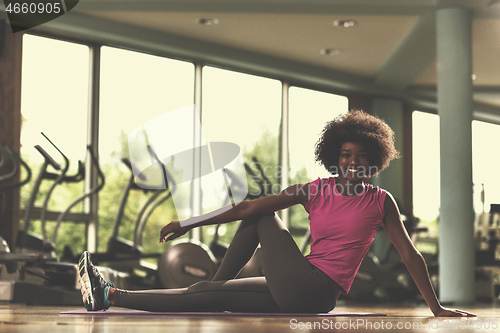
353,161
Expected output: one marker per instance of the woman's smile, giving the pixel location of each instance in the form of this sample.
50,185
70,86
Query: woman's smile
353,163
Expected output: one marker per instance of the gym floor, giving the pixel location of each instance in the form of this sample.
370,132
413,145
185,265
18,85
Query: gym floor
400,317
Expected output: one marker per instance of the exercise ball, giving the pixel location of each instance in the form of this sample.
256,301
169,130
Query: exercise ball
186,262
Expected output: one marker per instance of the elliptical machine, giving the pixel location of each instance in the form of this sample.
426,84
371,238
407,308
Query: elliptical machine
6,153
28,241
184,261
254,266
34,276
67,253
127,255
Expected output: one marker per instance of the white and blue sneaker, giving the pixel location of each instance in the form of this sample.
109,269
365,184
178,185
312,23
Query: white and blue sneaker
92,285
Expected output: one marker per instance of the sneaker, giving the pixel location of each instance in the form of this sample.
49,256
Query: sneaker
92,285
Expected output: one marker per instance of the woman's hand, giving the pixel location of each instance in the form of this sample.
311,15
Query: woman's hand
444,312
174,228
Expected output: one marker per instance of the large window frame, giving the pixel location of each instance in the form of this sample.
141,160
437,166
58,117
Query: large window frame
91,205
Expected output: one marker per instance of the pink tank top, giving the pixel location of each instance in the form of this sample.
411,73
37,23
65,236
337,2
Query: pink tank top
342,228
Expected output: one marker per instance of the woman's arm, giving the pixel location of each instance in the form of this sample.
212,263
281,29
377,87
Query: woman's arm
296,194
413,259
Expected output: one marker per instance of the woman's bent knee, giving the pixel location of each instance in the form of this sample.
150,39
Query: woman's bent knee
205,286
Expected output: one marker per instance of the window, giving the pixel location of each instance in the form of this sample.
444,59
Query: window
245,110
54,101
54,96
485,136
309,112
135,88
426,166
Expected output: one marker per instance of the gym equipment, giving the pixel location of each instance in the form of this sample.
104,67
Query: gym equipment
367,280
487,284
217,247
6,153
186,262
487,254
389,279
68,255
4,248
83,196
118,245
28,241
150,206
254,266
57,181
487,237
127,255
37,277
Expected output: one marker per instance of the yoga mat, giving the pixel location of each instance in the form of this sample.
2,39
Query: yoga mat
137,312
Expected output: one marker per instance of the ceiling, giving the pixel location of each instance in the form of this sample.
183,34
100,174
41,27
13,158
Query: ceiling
390,51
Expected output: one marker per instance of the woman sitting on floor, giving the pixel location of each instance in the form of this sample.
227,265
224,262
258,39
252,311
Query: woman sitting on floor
345,215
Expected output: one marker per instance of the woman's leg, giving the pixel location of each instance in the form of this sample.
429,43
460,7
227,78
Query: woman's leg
240,295
289,275
240,251
296,285
291,284
223,293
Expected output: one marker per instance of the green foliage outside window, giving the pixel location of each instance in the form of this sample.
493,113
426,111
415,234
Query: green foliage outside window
116,175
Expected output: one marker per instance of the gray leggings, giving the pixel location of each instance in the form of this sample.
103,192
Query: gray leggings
291,284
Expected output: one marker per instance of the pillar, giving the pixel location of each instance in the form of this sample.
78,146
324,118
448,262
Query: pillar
456,222
10,125
91,203
392,178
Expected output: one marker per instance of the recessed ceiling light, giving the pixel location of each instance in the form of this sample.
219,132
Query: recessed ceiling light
344,23
331,52
208,21
474,76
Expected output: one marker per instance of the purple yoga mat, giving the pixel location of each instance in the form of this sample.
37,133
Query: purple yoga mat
136,312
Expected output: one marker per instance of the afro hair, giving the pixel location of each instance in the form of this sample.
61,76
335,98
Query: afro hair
359,127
